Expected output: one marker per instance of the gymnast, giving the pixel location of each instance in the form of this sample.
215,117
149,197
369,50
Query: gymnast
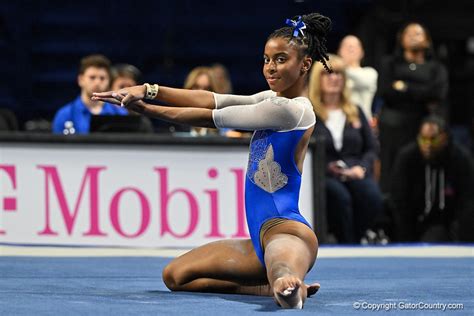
283,246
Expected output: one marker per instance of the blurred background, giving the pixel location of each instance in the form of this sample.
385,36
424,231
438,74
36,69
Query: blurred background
178,43
41,42
390,161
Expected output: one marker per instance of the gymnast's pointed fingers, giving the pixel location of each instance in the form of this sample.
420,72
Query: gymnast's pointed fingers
127,99
116,98
106,94
108,100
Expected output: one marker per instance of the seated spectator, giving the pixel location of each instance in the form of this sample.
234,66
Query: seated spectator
432,188
353,198
224,86
362,81
201,78
124,76
74,117
222,79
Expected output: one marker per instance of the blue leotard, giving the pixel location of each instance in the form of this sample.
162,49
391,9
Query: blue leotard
273,180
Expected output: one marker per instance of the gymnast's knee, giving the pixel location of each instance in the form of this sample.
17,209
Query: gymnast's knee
172,277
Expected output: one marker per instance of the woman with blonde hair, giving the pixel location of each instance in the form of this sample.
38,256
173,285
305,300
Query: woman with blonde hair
201,78
353,198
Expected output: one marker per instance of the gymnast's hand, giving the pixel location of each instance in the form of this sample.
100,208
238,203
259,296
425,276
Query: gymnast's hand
122,97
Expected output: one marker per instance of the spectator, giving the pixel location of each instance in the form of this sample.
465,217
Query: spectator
222,78
201,78
362,81
412,84
224,86
74,117
432,188
353,198
124,76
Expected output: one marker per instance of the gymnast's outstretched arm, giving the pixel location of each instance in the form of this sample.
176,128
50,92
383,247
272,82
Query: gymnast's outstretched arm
171,96
275,113
182,97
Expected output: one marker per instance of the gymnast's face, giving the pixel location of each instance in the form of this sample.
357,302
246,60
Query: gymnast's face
282,65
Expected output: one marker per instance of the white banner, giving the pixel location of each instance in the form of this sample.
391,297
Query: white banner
111,195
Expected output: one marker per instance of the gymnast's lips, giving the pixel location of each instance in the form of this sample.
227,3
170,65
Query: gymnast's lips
272,80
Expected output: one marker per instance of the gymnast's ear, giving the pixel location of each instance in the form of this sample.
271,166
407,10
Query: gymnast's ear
306,64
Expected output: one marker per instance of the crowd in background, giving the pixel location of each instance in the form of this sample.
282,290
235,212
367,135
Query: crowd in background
393,170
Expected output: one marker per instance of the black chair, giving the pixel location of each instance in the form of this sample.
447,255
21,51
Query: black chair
8,121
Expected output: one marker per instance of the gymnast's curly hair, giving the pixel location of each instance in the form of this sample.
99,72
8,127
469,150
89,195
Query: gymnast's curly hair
313,43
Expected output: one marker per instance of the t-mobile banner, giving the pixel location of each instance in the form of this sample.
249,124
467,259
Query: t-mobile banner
110,195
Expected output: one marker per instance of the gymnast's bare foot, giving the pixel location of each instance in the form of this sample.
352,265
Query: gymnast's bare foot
289,292
265,290
312,289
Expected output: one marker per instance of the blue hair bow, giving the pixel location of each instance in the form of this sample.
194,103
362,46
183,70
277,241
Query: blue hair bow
299,26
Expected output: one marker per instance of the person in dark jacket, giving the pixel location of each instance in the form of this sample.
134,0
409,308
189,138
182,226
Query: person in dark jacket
432,188
353,198
412,84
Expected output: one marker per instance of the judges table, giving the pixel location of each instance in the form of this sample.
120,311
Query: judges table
133,190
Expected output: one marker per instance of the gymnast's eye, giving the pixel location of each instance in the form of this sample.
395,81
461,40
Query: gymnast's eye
266,60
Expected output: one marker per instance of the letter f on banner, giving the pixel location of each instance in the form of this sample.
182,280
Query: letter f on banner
8,203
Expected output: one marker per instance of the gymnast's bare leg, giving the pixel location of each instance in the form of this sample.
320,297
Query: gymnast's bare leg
290,252
227,266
